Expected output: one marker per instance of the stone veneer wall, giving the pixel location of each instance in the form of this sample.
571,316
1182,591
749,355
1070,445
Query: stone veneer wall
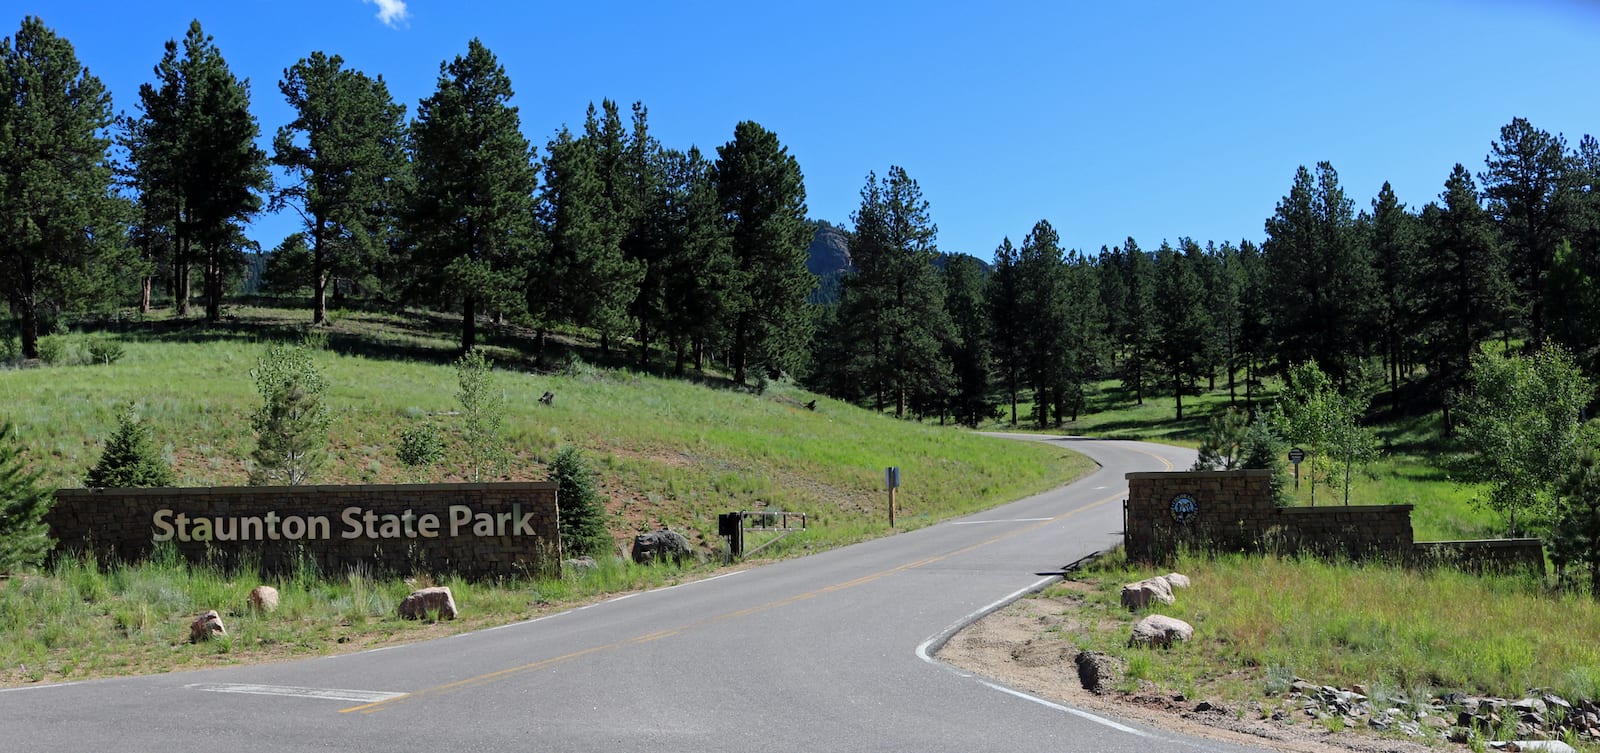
1235,512
520,520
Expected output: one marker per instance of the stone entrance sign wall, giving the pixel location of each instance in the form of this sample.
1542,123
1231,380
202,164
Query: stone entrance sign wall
478,530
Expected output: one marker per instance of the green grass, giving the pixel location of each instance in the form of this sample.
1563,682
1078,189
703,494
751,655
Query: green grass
1262,621
81,619
668,451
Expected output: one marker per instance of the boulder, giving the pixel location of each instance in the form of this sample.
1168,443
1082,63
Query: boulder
208,624
1137,596
1176,580
662,545
263,599
437,600
579,564
1097,672
1160,630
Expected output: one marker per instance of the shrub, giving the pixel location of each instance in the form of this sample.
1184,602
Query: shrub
52,350
420,445
482,414
580,508
105,351
24,538
130,459
292,423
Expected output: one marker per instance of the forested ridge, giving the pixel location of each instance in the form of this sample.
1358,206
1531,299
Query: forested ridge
699,259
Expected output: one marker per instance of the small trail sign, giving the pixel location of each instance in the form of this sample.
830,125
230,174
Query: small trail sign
1296,456
891,481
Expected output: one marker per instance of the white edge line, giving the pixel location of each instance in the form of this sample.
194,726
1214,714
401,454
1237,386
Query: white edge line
1068,709
926,649
43,687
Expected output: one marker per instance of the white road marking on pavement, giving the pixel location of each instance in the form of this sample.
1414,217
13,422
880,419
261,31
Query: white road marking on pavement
1007,520
1068,709
327,694
42,687
924,652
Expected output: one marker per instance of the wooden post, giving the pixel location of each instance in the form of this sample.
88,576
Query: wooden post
892,492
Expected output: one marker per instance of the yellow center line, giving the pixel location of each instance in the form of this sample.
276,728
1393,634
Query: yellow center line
368,708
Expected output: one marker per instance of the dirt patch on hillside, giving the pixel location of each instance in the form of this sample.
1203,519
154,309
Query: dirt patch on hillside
1021,647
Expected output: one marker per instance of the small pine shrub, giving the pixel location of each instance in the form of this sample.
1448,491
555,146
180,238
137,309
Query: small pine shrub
130,459
482,415
105,352
52,350
24,537
420,445
579,505
1263,448
292,423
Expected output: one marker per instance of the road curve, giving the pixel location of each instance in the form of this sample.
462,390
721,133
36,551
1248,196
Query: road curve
821,653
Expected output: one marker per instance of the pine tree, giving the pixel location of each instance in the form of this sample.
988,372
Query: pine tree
1224,445
471,216
1138,338
696,273
582,510
197,166
24,537
969,349
1467,287
1084,344
61,239
891,310
1526,187
292,422
1182,322
345,151
1264,449
1042,313
1005,314
762,194
130,459
615,268
1396,251
1320,279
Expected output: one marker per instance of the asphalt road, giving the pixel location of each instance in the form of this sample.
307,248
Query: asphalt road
822,653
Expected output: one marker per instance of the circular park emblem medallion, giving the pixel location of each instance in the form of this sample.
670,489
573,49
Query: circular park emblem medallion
1184,507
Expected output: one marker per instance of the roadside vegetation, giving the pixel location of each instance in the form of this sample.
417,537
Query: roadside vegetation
653,451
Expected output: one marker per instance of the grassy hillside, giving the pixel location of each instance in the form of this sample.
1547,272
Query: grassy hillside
669,451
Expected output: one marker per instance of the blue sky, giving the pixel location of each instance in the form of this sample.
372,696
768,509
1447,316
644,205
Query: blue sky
1155,120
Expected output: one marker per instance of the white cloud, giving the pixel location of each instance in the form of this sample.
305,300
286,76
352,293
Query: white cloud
390,12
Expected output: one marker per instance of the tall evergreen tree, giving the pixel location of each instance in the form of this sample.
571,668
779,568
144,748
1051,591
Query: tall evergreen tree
1084,344
345,152
1005,312
61,237
1225,291
472,213
969,348
195,155
1467,287
1254,323
696,274
891,308
1395,249
1321,279
1138,337
1182,321
763,197
1043,319
1525,186
614,267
